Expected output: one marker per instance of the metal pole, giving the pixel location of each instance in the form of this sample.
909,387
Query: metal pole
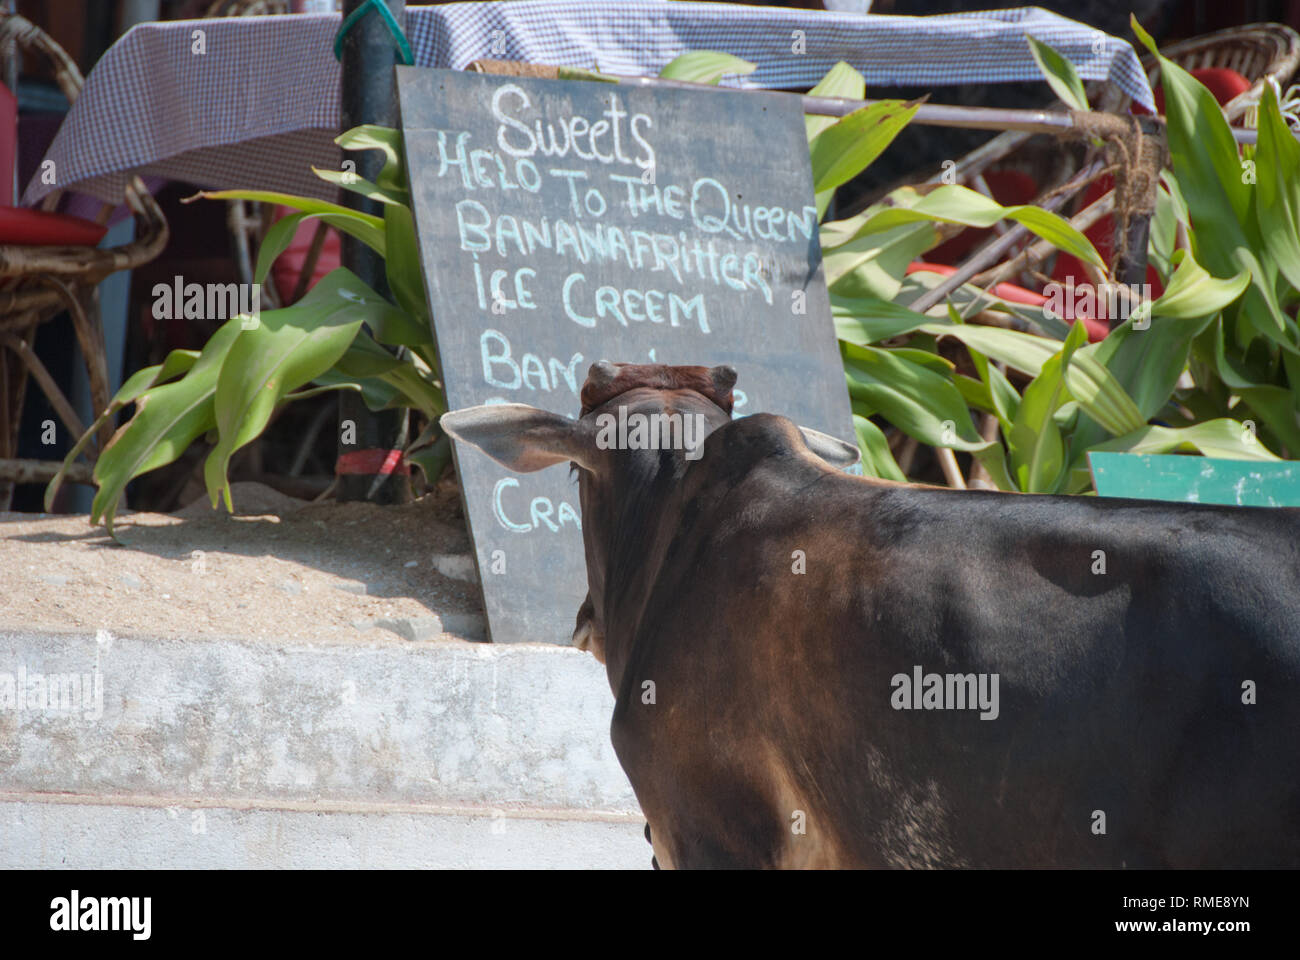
369,95
927,114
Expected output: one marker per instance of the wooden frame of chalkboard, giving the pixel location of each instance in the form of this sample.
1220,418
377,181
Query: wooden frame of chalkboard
563,222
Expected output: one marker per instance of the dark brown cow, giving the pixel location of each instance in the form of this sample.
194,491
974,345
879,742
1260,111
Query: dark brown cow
815,669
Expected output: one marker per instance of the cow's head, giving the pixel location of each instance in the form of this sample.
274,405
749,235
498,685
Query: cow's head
641,431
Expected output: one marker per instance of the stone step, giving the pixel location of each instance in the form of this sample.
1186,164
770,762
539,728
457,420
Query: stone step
52,831
363,753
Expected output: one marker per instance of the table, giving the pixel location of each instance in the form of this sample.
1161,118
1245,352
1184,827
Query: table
260,104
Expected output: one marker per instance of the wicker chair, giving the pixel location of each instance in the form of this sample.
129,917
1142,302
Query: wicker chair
37,283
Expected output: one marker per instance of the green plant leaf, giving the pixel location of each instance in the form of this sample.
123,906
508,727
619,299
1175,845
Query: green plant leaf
840,81
1215,438
168,418
957,204
282,232
1059,74
1035,444
1277,163
994,459
176,363
1020,351
850,144
1005,399
432,460
404,272
1213,179
365,227
913,397
370,136
873,265
703,66
1101,397
868,319
348,180
877,459
1192,293
287,349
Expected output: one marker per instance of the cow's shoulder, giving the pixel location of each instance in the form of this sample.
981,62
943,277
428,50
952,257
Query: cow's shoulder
736,449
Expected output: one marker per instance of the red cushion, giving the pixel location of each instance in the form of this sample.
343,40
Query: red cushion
1224,84
8,144
39,228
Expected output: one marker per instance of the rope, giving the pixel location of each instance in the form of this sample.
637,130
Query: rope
1139,160
352,19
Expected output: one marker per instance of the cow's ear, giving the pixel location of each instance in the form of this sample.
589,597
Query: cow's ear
521,437
831,449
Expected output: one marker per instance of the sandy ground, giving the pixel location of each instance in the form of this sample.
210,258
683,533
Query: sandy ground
280,569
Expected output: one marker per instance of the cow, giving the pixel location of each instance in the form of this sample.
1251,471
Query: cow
815,669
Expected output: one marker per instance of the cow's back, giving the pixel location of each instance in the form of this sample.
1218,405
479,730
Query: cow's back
793,595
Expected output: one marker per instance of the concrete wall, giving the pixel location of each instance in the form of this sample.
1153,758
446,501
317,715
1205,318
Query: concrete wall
389,753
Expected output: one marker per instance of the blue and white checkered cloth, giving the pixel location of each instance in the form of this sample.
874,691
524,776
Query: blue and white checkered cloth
260,105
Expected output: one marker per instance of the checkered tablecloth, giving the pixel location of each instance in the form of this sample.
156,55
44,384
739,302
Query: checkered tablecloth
260,105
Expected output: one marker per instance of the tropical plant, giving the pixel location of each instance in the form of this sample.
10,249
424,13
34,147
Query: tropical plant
336,338
330,340
1172,378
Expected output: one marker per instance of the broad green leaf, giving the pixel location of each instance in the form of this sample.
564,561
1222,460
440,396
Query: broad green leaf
174,364
1147,363
918,400
1005,399
868,319
1164,235
287,349
840,81
375,393
873,265
924,358
386,380
1214,183
348,180
994,459
850,144
877,459
1020,351
1192,293
1101,397
404,272
703,66
365,227
1059,74
167,419
1035,444
975,392
957,204
1215,438
1200,142
371,136
282,232
1278,176
1275,409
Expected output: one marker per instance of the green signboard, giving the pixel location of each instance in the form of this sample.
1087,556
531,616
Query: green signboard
1239,483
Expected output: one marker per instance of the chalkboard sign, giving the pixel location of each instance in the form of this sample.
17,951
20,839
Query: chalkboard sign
1237,483
565,222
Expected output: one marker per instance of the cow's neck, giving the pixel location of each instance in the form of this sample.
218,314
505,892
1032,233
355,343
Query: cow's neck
628,539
